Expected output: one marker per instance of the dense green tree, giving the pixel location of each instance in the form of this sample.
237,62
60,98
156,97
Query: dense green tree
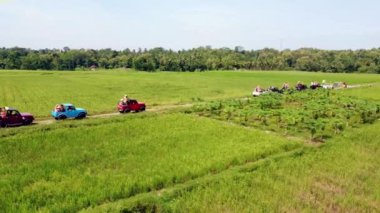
144,62
30,61
196,59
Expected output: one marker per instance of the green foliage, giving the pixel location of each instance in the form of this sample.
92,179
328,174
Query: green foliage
197,59
144,62
320,113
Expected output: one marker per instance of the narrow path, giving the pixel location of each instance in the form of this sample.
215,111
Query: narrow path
361,85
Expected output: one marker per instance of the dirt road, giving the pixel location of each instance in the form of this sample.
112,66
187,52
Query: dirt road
107,115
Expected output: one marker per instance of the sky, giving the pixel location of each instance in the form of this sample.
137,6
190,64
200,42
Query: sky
185,24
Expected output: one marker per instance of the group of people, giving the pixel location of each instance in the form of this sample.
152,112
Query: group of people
59,108
299,86
124,100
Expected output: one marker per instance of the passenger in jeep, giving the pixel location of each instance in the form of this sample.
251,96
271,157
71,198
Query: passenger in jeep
285,86
258,89
314,85
124,100
3,112
59,108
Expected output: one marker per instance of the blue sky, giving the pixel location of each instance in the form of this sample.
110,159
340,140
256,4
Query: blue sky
184,24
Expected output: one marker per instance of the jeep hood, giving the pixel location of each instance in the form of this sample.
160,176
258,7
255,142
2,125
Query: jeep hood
26,114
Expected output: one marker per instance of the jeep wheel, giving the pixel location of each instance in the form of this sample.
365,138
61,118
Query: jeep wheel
81,115
27,122
2,124
127,110
61,117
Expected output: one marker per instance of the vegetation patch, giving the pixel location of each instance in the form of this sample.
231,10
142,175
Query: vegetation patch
317,114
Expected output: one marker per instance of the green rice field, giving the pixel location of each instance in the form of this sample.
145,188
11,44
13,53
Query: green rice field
37,92
228,153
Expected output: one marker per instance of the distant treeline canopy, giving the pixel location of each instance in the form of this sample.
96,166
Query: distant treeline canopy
198,59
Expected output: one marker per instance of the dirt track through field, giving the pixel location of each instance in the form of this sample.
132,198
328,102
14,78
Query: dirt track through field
360,85
107,115
169,107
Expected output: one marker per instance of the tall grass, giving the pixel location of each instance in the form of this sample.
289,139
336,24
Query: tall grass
341,176
369,93
69,166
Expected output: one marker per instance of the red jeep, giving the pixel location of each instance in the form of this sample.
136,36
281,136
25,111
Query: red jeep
12,117
130,105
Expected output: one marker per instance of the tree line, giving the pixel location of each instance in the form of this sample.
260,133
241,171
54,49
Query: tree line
197,59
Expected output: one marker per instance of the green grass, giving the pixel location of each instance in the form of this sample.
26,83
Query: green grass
38,91
73,165
341,176
369,93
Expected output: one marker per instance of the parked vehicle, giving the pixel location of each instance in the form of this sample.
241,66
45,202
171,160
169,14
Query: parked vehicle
63,111
10,116
339,85
301,86
130,105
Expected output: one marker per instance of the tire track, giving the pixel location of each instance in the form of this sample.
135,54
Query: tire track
112,114
172,190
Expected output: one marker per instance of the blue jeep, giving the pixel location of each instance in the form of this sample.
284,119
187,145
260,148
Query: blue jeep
63,111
